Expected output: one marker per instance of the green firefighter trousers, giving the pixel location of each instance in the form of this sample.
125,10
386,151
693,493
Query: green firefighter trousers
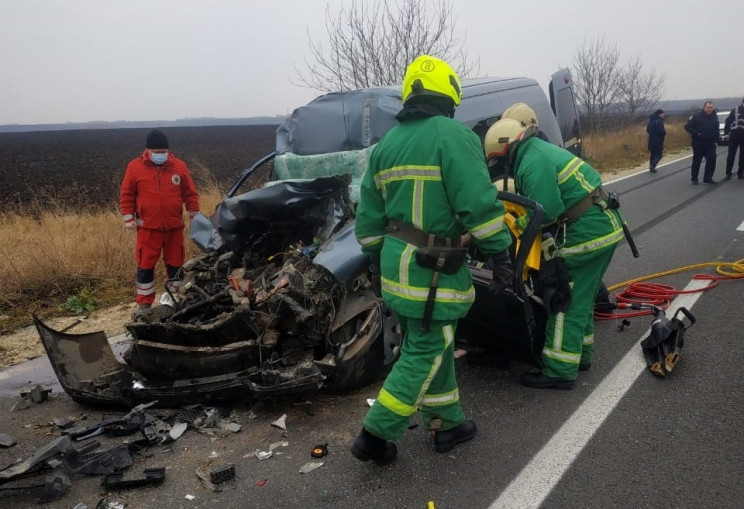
424,376
569,336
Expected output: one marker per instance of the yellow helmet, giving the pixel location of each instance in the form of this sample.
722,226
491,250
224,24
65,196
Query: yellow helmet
521,112
428,75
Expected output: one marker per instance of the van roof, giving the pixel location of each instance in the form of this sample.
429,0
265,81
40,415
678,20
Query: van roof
357,119
471,86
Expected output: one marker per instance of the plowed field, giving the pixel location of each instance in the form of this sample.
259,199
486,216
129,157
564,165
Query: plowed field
85,167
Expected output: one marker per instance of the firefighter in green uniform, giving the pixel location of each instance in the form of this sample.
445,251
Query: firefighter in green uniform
586,226
426,185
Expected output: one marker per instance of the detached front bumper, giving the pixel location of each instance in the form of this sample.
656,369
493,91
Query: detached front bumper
91,374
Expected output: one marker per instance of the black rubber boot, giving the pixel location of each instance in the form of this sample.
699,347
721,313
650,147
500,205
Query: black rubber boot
445,441
539,381
585,366
368,447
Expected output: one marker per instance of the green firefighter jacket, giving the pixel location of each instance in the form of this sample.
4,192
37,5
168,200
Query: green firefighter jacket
557,180
429,172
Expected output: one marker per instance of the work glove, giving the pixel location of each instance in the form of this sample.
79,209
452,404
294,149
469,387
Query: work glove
556,285
131,225
503,272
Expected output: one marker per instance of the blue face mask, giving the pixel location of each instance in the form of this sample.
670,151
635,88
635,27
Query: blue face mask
158,158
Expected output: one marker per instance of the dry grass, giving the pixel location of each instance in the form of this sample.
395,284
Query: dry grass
628,148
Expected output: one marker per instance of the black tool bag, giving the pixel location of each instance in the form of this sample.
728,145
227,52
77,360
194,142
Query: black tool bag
453,258
556,285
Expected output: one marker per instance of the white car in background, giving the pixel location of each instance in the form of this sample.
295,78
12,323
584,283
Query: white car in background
722,139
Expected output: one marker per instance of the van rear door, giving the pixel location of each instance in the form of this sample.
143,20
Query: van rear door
563,102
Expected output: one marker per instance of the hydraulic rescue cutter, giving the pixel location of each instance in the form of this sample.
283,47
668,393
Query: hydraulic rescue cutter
662,347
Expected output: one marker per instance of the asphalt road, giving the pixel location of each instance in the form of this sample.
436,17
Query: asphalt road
621,438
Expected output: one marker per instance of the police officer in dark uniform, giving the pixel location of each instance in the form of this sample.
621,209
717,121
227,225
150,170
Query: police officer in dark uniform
656,133
703,127
734,127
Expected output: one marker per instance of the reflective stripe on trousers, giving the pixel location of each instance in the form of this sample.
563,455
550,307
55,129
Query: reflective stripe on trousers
569,336
423,378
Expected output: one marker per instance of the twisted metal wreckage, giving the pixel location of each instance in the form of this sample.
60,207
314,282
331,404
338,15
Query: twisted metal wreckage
283,303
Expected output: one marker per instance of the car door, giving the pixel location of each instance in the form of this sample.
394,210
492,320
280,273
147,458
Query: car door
563,102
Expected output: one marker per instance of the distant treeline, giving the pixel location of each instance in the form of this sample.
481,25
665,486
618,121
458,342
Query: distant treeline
687,106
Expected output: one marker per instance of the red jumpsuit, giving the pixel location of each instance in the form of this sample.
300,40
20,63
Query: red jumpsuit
153,197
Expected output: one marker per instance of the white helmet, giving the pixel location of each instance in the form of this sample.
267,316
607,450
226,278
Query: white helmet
504,136
521,112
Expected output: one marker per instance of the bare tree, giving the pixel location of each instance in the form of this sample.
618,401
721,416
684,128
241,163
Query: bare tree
639,90
372,43
597,76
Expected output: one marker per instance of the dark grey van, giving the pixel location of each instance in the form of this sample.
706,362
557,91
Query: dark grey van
357,119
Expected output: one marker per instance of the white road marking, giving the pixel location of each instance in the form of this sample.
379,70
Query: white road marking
535,482
740,228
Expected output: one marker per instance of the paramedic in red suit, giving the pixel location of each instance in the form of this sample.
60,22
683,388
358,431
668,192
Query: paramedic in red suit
155,188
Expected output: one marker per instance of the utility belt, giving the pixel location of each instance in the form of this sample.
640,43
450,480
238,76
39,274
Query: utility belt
597,197
432,247
419,238
601,199
441,254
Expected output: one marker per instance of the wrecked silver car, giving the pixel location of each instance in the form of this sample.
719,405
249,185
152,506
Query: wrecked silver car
286,304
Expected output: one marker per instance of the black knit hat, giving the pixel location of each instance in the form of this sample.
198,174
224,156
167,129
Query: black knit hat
156,139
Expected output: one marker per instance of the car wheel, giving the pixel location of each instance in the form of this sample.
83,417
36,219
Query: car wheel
363,369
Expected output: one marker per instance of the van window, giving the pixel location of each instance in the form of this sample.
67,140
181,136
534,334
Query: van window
569,123
481,128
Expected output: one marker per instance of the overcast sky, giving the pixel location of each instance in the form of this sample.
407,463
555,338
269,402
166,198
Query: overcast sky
84,60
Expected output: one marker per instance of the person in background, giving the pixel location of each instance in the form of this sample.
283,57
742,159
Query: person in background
704,130
425,185
155,188
734,128
656,133
585,228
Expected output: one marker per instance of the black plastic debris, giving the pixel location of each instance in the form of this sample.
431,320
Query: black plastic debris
36,394
222,474
116,425
101,463
64,460
55,485
621,326
152,477
319,451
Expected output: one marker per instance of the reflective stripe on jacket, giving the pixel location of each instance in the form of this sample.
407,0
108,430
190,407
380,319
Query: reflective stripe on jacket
734,123
429,172
557,180
154,195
